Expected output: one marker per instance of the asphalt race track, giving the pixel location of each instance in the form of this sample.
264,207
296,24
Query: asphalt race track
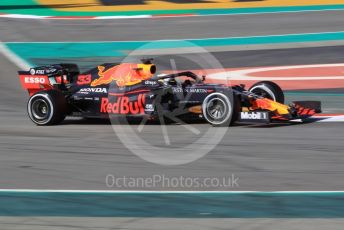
170,28
79,154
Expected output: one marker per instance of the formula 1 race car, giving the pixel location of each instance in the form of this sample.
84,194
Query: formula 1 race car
130,89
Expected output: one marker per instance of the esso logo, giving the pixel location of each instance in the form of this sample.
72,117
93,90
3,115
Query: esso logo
35,80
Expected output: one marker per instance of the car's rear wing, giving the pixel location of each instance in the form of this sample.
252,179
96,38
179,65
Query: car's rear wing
34,83
46,77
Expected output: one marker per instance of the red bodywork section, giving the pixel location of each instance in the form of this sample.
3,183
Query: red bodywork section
35,83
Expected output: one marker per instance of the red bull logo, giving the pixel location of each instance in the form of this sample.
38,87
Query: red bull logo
125,74
122,105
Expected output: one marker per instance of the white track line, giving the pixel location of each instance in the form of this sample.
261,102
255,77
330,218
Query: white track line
253,78
244,73
329,118
19,16
21,63
124,17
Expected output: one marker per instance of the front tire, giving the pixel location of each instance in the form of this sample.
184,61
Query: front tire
47,107
217,109
268,90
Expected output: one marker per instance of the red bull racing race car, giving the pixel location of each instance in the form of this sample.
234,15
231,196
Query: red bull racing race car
131,89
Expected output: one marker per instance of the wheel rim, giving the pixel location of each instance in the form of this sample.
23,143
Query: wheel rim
40,109
217,109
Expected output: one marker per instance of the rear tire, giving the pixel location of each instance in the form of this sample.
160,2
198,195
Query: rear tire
269,90
47,107
217,109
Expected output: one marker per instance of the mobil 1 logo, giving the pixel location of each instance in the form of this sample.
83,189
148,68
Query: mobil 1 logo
254,117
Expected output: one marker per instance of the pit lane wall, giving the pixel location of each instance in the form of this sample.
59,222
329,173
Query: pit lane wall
93,8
